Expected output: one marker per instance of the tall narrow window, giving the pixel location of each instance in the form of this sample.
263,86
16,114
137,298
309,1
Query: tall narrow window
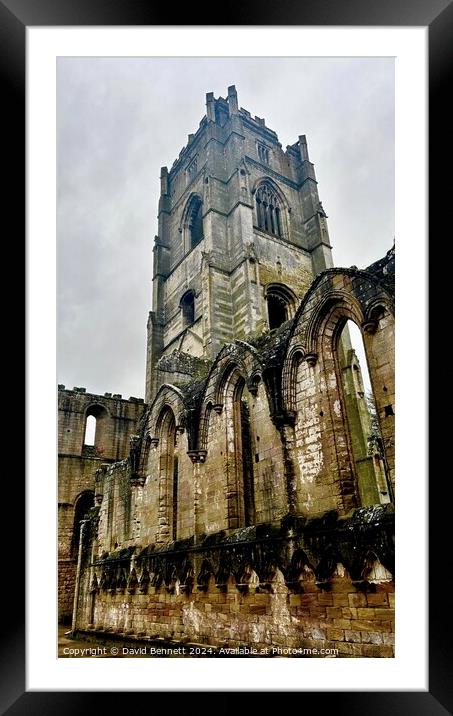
90,430
84,502
188,309
278,225
192,222
247,463
276,312
364,430
96,429
281,304
268,210
239,475
168,478
196,225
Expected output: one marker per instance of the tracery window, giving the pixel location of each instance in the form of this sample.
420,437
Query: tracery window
268,210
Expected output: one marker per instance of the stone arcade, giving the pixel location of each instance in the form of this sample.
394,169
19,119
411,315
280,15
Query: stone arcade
249,501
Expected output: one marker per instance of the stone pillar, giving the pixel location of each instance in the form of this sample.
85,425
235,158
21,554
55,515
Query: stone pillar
198,458
77,580
232,100
303,148
163,526
210,106
289,460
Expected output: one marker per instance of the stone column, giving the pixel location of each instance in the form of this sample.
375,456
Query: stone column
288,438
77,579
198,458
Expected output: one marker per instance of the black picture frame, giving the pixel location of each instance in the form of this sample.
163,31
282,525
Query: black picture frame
437,15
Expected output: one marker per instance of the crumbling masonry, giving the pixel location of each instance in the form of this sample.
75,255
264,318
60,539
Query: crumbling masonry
249,500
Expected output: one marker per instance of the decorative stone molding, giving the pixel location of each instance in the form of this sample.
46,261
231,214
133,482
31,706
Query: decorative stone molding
137,480
197,456
312,359
370,327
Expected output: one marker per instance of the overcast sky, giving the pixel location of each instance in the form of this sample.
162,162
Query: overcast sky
120,120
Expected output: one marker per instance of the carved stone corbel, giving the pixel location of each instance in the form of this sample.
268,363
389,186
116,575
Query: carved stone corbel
197,456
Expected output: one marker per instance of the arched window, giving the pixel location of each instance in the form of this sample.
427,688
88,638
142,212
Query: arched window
83,504
239,474
90,430
96,420
192,223
363,424
188,308
268,210
276,311
196,225
281,304
168,477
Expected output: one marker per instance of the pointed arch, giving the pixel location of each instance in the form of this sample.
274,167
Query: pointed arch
82,504
281,304
271,208
94,434
192,222
168,475
187,306
167,395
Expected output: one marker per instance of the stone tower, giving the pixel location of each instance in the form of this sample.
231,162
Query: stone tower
242,234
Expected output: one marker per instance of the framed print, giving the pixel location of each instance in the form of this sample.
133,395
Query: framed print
185,518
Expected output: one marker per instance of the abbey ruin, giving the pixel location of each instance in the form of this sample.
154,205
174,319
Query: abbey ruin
248,499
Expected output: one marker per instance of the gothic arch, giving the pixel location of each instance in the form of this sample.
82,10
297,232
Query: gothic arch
192,222
289,375
366,295
315,360
82,503
96,409
187,306
239,467
336,306
239,354
168,476
172,397
281,303
271,208
101,415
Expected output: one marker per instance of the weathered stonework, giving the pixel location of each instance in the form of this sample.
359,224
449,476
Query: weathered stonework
250,501
116,421
237,216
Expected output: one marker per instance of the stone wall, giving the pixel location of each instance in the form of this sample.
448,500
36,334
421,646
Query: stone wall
255,588
117,419
240,516
246,502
